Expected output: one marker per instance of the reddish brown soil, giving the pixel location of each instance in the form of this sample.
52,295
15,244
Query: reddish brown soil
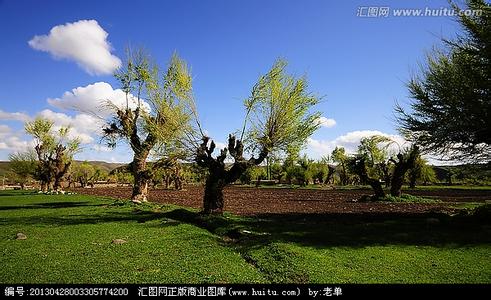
252,201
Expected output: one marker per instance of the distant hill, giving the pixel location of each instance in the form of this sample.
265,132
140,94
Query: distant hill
105,166
4,167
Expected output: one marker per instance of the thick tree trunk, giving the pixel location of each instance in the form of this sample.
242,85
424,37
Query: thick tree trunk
402,165
177,178
141,176
330,175
412,183
396,185
377,188
219,176
213,198
361,171
57,185
167,181
140,189
44,186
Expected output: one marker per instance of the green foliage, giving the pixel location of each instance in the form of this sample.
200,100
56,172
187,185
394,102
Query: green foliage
451,101
169,97
23,166
85,173
279,111
54,151
277,171
406,198
340,157
374,151
422,172
253,174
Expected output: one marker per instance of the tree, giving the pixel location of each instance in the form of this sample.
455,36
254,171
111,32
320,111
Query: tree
161,115
54,151
420,172
374,150
402,163
358,165
371,155
255,173
451,97
23,166
277,118
84,173
340,157
277,171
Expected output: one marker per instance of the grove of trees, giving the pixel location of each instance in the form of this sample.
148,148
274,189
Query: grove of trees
449,115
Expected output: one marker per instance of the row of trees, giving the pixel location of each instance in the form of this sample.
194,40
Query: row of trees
450,116
165,124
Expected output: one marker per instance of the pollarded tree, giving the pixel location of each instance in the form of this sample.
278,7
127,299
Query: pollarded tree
54,151
358,165
451,97
372,154
403,162
278,117
162,114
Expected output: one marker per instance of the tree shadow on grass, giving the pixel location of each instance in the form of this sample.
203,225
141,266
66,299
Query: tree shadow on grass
343,230
64,204
136,216
11,193
313,230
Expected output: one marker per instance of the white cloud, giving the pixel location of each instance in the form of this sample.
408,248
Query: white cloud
350,141
94,99
82,126
84,42
4,130
15,116
220,145
101,148
325,122
11,141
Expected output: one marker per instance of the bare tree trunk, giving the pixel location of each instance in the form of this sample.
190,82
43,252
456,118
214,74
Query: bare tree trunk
330,174
412,182
219,176
377,188
167,181
213,198
140,190
396,184
402,165
57,185
177,177
44,186
361,171
141,176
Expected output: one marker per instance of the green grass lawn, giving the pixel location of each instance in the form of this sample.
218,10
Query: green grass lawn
69,241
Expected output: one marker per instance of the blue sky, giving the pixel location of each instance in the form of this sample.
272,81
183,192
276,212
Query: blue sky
358,64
